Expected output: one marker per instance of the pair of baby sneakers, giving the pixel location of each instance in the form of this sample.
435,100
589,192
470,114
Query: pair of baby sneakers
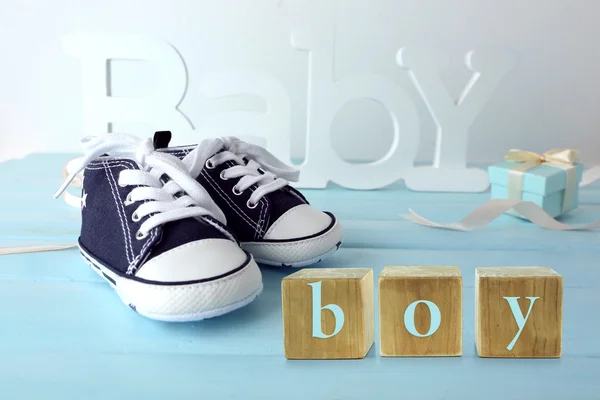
178,231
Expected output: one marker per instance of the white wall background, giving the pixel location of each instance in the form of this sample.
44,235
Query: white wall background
550,100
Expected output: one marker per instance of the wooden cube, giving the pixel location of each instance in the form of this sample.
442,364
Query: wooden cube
420,311
518,312
328,313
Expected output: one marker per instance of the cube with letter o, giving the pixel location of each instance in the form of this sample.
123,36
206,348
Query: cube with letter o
420,311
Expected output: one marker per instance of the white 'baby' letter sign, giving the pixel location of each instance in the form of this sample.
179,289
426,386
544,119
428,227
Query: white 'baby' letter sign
326,96
453,118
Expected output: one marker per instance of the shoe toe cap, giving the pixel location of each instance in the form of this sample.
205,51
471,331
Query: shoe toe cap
298,222
199,260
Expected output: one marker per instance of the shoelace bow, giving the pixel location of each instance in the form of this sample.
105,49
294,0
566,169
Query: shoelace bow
156,199
263,169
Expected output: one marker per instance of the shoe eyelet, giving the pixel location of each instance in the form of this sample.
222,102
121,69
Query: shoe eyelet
236,191
128,200
249,205
222,176
135,217
208,164
139,235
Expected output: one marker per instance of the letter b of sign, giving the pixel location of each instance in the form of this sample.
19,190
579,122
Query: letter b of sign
316,313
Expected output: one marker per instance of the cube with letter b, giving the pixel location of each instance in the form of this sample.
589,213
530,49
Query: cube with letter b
328,313
518,312
420,311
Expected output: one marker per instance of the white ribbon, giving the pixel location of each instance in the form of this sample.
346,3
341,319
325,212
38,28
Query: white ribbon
590,176
494,208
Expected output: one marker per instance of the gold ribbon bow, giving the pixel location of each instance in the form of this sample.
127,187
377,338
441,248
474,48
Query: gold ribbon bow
554,156
561,157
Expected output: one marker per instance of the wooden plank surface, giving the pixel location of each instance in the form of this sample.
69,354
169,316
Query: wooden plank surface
65,333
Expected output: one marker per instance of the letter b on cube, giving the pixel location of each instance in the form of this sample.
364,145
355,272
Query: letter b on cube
328,313
420,311
518,312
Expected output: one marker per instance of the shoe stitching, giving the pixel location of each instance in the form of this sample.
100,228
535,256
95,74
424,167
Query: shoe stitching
132,267
266,208
124,226
232,204
259,229
126,164
111,161
108,164
263,210
260,217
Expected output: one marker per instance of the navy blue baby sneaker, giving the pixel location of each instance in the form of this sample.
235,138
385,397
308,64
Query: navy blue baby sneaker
155,234
271,219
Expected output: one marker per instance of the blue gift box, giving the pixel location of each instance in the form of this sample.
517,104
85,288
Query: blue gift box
543,185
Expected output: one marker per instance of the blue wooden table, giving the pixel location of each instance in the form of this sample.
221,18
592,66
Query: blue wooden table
66,335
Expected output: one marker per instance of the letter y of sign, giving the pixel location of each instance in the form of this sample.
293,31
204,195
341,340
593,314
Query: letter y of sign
453,117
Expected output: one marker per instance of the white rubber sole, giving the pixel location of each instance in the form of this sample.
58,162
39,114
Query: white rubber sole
297,253
184,302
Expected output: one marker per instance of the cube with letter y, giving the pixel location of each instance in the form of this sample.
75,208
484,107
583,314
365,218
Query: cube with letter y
328,313
518,312
420,311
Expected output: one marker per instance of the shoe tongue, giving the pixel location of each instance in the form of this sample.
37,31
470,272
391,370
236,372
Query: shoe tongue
162,139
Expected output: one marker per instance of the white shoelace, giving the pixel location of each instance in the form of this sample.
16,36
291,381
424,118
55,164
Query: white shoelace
274,177
264,170
154,198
